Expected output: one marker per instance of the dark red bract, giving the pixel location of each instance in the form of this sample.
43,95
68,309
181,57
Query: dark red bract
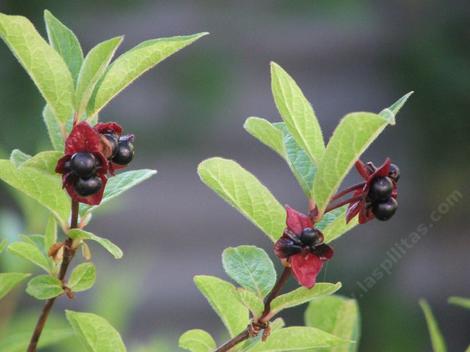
305,254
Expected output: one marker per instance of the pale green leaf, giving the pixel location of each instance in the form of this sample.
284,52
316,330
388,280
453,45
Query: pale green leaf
44,287
297,113
95,332
3,245
132,64
298,338
437,340
9,280
251,268
197,340
78,234
44,161
460,301
338,226
251,301
17,157
266,133
19,342
83,277
54,129
354,134
303,295
336,315
31,253
119,184
45,66
246,193
391,112
50,234
65,42
94,66
222,297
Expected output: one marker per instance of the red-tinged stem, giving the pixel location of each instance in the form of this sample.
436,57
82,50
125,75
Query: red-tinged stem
347,190
69,252
331,207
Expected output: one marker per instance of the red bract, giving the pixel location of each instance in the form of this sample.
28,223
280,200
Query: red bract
303,248
83,139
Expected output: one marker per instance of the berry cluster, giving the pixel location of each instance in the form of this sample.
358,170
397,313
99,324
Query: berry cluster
85,166
380,198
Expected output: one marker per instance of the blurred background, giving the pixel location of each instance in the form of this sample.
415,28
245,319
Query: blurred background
346,56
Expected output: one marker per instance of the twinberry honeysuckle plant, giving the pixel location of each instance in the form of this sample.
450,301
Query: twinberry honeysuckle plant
301,237
82,171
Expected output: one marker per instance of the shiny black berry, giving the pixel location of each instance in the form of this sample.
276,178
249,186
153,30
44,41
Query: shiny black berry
311,237
385,210
125,152
87,186
83,164
381,189
394,172
113,141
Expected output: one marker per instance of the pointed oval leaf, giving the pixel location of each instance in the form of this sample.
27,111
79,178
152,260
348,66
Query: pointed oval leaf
78,234
54,129
95,332
44,287
437,340
251,301
303,295
65,42
132,64
45,66
93,68
336,315
31,253
197,340
246,193
460,301
266,133
297,113
8,281
83,277
222,297
251,268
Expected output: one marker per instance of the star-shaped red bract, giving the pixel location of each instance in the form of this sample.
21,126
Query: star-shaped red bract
83,139
303,248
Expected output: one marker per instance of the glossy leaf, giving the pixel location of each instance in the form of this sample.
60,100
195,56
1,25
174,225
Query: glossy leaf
54,129
222,297
303,295
45,66
243,191
251,268
460,301
297,113
29,252
251,301
8,281
437,340
44,287
197,340
336,315
132,64
83,277
65,42
95,333
78,234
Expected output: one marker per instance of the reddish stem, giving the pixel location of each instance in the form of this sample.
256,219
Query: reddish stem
331,207
348,190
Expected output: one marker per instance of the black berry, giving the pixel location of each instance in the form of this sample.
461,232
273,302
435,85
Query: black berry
311,237
394,172
289,248
113,141
83,164
124,153
385,210
381,189
87,186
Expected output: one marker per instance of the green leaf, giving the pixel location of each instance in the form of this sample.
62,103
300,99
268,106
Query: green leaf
54,129
354,134
83,277
3,245
338,226
251,301
9,280
45,66
19,342
44,161
78,234
274,325
119,184
95,332
43,187
44,287
266,133
391,112
437,340
222,297
336,315
197,340
298,338
297,113
460,301
31,253
132,64
50,235
17,157
94,66
303,295
65,42
243,191
251,268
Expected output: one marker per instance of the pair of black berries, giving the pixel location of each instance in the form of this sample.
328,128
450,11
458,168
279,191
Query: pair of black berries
380,197
309,239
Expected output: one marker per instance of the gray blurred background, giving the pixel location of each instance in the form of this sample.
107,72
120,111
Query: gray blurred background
347,56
